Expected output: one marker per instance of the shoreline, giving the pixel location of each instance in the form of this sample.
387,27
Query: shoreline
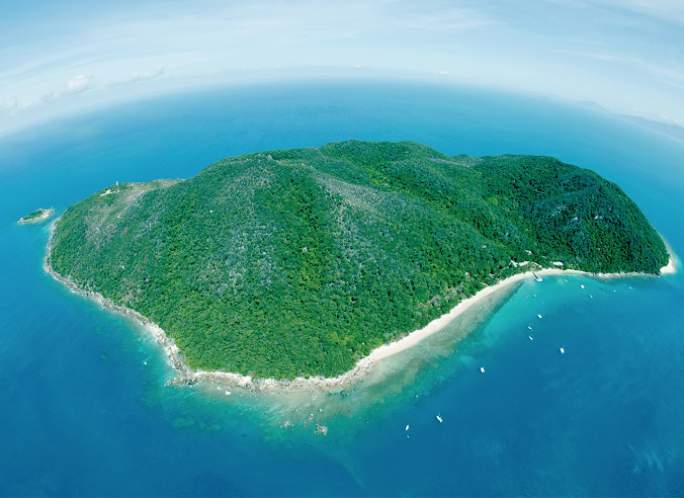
185,375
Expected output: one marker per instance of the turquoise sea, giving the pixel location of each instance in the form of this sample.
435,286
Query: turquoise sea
85,404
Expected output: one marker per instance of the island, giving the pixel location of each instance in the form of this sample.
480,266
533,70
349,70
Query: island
38,216
299,263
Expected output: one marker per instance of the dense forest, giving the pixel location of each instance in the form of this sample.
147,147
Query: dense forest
300,262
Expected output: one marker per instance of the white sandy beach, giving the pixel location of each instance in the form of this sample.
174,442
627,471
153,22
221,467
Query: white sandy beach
184,374
439,323
671,266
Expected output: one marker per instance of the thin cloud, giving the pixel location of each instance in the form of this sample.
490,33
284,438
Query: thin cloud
668,11
616,53
79,84
667,74
138,77
440,19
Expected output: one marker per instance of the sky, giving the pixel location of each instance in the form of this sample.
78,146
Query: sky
64,56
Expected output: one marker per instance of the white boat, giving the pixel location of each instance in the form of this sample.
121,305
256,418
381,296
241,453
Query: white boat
482,370
562,350
529,327
407,427
530,337
539,316
439,419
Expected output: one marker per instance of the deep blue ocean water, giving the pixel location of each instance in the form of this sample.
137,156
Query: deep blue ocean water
85,408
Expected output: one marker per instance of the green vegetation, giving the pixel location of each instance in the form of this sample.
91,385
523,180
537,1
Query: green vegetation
37,216
300,262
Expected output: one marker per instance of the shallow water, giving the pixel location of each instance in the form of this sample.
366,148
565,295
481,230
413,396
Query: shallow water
85,404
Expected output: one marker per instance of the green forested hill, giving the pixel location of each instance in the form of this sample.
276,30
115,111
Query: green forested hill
300,262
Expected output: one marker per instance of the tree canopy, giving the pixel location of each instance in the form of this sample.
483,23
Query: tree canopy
300,262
